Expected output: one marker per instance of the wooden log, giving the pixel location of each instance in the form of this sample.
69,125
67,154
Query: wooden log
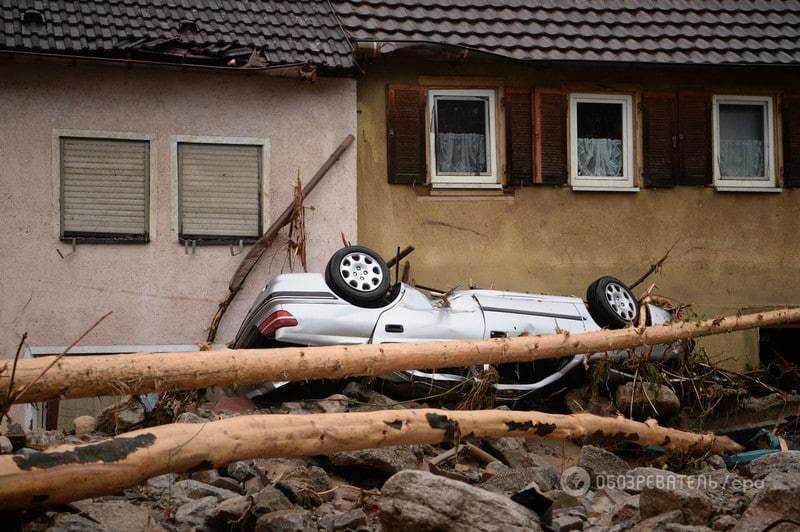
265,241
147,372
70,473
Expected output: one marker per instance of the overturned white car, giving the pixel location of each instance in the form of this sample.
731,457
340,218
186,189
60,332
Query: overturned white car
355,303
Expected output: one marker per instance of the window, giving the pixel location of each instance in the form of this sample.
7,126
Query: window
462,136
743,149
219,191
103,189
601,141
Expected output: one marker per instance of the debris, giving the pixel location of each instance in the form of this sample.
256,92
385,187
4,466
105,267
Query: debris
641,400
83,425
121,417
388,460
16,435
264,242
416,500
238,405
6,445
147,372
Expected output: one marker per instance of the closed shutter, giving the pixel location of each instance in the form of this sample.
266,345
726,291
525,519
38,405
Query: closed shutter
659,130
551,128
104,187
405,135
790,119
694,133
219,191
519,137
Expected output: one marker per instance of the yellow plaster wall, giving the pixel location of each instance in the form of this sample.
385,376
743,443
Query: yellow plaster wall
735,250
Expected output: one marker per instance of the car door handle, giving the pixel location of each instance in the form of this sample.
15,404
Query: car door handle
393,328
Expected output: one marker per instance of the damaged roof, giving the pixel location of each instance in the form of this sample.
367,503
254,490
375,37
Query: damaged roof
748,32
210,32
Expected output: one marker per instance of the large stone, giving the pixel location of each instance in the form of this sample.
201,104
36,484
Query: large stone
659,523
83,425
607,507
193,513
119,514
513,452
190,417
599,462
227,513
350,520
388,460
305,485
241,471
193,489
5,445
647,396
162,482
121,418
581,400
778,499
420,501
784,462
512,481
297,520
693,503
268,500
65,522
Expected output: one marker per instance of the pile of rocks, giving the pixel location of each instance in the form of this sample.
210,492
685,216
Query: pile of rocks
505,484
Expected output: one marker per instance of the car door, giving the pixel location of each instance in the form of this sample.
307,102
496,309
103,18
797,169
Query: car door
513,315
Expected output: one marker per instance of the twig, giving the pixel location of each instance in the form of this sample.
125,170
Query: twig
19,393
653,268
13,374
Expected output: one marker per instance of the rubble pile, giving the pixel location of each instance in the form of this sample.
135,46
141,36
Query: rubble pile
466,484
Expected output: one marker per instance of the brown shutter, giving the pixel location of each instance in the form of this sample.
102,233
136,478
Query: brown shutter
551,136
790,120
694,136
519,137
660,136
405,133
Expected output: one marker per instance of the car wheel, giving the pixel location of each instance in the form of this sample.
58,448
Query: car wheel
358,275
611,303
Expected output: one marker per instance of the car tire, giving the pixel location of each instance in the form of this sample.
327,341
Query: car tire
611,303
358,275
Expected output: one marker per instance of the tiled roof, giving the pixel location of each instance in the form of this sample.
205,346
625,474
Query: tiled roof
647,31
191,31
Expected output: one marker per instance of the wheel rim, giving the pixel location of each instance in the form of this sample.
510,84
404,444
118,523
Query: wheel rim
621,301
361,272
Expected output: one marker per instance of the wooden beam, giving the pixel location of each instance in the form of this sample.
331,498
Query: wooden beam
70,473
147,372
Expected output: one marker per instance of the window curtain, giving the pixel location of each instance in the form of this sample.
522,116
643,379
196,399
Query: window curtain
741,158
599,157
463,153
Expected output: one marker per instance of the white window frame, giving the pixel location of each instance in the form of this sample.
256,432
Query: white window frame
592,183
733,184
264,143
491,177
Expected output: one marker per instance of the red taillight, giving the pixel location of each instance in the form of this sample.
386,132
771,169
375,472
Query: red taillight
275,321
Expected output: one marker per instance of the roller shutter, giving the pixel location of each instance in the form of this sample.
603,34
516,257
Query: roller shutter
219,191
104,188
405,131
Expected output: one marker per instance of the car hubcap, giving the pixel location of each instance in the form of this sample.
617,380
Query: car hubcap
361,271
621,301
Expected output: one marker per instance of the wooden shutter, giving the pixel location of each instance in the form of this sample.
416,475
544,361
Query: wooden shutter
519,136
694,136
551,136
660,138
219,191
405,134
104,187
790,120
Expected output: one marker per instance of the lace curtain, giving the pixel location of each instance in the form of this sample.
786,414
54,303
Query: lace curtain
599,157
463,153
741,158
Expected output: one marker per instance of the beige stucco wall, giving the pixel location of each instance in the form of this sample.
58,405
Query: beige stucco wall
159,294
735,250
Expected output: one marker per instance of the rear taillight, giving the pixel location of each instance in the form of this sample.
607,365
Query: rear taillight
275,321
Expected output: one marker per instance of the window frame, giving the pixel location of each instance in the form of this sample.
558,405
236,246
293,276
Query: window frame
492,177
599,183
768,182
149,230
263,187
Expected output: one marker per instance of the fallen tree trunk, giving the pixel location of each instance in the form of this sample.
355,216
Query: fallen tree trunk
265,241
70,473
147,372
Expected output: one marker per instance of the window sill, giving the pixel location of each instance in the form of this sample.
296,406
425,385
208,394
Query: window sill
103,238
464,191
748,189
584,188
463,186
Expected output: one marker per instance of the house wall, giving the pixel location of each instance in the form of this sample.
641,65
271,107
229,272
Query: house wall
735,250
157,292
